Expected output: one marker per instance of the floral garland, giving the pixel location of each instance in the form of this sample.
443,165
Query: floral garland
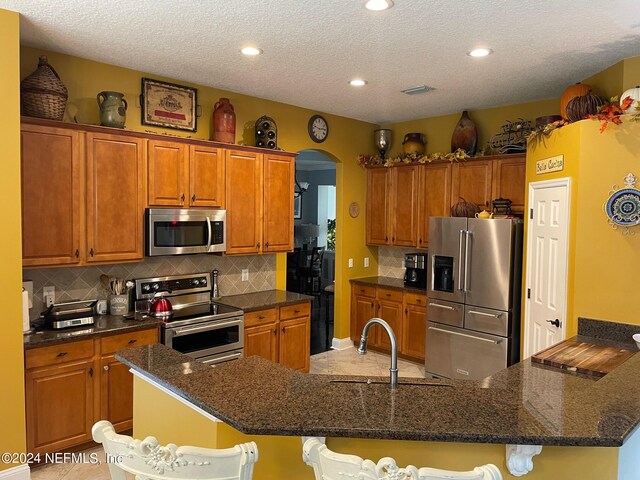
407,158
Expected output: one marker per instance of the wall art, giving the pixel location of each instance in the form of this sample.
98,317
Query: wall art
169,105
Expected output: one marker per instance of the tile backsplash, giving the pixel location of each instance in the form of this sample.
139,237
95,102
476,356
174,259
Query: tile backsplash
83,283
391,261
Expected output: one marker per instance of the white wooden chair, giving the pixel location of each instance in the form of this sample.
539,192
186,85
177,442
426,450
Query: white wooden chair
146,459
328,465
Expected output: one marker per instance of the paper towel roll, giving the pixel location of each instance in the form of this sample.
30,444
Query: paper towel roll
25,311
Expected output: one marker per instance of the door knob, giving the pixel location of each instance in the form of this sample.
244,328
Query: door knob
556,323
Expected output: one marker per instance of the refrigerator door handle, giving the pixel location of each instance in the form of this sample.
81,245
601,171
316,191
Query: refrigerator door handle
493,315
495,342
467,255
460,260
446,307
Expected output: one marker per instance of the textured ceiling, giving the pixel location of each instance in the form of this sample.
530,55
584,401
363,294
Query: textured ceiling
313,48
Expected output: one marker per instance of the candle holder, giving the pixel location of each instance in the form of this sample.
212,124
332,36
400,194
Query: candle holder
382,139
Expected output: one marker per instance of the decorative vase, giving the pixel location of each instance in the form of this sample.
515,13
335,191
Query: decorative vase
224,122
571,92
465,135
382,138
113,109
414,143
42,94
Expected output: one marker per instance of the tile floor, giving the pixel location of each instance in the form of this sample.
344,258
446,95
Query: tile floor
340,362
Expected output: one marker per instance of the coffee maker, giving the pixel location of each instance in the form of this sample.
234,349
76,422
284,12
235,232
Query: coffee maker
415,274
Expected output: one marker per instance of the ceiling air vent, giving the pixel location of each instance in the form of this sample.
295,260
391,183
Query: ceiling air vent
418,90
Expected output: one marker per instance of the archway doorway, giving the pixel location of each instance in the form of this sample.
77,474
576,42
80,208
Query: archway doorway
311,267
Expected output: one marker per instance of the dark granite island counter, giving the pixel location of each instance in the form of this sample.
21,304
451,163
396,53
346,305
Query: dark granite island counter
526,406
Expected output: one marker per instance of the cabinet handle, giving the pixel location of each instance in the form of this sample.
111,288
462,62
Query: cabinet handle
193,198
106,368
91,252
388,294
61,354
132,341
420,241
386,239
182,198
486,203
393,239
406,311
296,311
266,245
275,331
258,245
77,253
371,304
284,329
261,317
91,372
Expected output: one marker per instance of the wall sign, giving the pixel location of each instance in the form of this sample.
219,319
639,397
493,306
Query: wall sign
551,164
169,105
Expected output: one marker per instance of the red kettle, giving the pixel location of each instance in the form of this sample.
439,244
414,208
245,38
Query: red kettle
160,306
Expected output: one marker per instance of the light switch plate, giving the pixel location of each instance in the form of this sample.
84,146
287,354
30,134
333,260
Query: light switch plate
351,263
366,262
245,274
49,295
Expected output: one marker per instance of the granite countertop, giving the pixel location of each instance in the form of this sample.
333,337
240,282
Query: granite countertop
525,404
104,325
266,299
387,282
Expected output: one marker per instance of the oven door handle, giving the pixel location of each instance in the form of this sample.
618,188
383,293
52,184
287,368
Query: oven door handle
209,231
222,358
203,328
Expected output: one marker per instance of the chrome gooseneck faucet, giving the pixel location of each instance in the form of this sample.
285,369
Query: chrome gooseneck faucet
362,348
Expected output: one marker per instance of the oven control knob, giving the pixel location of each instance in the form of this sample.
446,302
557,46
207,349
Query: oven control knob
155,286
196,282
203,282
146,287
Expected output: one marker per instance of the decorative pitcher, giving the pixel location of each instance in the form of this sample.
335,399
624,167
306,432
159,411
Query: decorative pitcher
113,109
414,143
224,122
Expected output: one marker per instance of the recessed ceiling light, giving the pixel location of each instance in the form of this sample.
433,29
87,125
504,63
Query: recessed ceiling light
356,82
251,51
480,52
378,5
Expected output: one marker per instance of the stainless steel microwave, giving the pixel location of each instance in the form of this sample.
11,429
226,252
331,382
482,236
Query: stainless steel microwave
172,231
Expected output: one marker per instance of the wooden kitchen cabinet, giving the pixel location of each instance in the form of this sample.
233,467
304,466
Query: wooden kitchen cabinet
115,198
434,197
52,195
244,202
377,220
403,210
281,335
277,229
509,180
363,307
471,180
414,326
69,386
390,310
206,177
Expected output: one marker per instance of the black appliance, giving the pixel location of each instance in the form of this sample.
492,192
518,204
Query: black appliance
415,274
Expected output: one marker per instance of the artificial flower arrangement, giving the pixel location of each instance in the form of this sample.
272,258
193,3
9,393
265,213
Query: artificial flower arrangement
373,160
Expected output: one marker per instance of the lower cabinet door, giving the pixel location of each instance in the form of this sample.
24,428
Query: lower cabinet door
390,312
116,393
414,331
362,309
295,336
59,406
262,341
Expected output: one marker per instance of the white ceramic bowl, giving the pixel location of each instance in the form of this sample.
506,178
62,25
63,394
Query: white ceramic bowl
636,337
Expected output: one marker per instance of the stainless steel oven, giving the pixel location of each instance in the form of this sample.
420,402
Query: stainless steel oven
171,231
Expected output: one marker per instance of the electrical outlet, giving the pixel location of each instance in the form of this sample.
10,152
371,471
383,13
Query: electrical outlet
49,295
366,262
245,274
351,263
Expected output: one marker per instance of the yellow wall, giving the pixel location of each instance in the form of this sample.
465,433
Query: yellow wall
12,427
489,121
347,138
281,457
631,74
609,81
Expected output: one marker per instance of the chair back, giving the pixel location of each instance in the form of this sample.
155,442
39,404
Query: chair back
148,460
328,465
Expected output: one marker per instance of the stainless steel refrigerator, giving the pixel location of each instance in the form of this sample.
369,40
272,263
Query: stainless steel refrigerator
473,291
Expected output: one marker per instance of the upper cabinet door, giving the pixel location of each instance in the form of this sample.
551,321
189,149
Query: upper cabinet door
168,173
472,181
278,203
404,205
244,201
377,206
435,197
51,196
115,197
206,176
509,181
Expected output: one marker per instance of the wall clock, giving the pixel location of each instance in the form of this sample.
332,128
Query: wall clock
318,128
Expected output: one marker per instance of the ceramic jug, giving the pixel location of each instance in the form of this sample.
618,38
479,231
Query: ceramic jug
484,214
414,143
224,122
113,109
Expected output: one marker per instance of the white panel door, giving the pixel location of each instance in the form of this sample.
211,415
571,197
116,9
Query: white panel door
547,246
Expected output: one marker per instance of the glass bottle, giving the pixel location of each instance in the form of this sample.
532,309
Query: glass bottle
215,293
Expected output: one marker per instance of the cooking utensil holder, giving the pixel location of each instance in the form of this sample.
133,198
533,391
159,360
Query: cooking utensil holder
119,304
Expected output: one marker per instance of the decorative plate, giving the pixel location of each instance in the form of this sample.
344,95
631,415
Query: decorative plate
623,205
354,209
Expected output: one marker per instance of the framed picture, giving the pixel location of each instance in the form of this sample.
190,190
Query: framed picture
297,206
169,105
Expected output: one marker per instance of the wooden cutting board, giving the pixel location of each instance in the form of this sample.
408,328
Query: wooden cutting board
581,356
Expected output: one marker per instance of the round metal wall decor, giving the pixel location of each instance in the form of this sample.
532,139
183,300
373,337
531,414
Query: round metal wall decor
354,209
623,205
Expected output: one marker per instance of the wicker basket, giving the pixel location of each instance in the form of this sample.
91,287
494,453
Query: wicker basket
42,94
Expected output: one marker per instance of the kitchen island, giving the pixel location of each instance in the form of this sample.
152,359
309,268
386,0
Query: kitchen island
585,426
